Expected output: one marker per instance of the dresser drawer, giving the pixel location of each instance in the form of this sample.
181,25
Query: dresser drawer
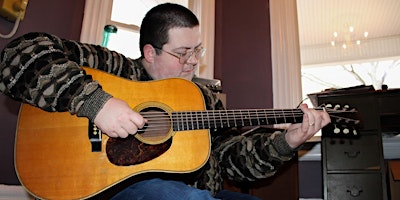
362,153
354,186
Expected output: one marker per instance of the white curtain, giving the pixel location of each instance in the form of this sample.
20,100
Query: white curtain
205,11
285,47
95,17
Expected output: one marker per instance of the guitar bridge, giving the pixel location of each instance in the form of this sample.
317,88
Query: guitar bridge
95,135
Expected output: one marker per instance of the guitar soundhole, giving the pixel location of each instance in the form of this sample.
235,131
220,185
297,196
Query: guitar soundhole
148,143
157,128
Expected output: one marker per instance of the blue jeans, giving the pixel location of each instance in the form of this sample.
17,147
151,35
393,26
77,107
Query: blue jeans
158,189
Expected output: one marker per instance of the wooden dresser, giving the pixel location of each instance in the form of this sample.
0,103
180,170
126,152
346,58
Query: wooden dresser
353,164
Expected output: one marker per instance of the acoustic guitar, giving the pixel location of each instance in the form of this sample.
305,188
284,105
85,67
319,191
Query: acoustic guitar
61,156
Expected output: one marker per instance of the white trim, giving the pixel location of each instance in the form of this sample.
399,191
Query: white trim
14,192
285,50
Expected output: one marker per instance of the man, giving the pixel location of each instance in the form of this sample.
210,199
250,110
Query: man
44,70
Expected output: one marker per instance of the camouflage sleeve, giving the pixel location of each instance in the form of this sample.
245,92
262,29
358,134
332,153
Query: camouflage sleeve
252,157
38,69
247,158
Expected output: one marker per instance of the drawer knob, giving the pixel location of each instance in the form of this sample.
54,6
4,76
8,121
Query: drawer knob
352,154
354,191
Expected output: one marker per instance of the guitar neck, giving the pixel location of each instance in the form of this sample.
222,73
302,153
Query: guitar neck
195,120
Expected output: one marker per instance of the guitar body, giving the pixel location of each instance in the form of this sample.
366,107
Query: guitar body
54,157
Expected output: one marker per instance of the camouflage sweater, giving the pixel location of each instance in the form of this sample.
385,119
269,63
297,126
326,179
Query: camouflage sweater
45,71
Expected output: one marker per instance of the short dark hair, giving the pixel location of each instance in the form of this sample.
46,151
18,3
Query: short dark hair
160,19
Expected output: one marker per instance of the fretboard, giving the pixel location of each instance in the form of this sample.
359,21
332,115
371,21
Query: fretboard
195,120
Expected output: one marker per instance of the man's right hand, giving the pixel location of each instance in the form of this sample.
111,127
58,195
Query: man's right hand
117,119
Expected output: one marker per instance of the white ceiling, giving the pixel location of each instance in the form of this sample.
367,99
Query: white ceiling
318,19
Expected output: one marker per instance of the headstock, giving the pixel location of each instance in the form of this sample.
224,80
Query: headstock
344,121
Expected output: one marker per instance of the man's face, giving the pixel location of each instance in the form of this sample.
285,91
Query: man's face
181,41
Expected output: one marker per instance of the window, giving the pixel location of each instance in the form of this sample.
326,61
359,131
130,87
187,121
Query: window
356,61
375,73
341,47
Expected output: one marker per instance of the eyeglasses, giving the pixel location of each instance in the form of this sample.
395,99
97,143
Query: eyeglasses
184,57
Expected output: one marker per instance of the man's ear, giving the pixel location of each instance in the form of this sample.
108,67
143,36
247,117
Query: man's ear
149,53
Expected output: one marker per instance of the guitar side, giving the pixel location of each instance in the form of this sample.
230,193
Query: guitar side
53,156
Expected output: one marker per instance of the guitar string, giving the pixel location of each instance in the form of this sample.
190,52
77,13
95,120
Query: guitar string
217,115
161,121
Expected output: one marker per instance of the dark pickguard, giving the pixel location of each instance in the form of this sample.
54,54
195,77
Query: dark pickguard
131,151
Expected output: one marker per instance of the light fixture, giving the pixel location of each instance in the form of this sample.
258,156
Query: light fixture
348,38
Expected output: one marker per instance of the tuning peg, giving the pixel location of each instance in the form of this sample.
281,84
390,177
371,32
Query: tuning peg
336,130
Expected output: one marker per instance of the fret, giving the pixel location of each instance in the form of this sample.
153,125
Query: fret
279,116
192,120
198,119
229,119
248,118
266,117
234,118
201,119
215,120
179,121
204,120
250,121
182,123
258,118
241,117
294,118
175,119
283,116
254,117
208,119
226,118
220,119
187,121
